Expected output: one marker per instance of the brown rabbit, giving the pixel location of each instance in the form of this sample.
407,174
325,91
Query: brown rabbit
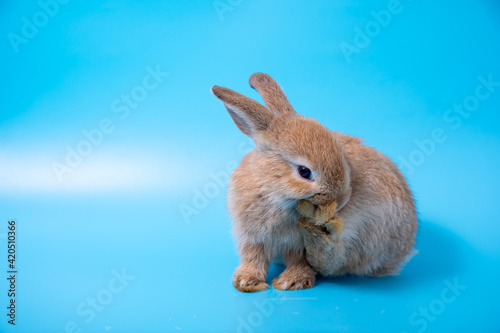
320,200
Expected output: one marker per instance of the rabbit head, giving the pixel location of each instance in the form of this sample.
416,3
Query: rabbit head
309,157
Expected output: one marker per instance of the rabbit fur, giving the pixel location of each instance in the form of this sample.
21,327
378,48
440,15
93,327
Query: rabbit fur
356,215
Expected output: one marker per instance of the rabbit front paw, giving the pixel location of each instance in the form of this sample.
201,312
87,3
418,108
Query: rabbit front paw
247,280
295,278
319,220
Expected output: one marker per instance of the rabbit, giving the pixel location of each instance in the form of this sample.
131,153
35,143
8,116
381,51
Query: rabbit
321,201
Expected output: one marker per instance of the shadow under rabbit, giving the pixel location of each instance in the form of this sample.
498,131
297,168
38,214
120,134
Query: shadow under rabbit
441,255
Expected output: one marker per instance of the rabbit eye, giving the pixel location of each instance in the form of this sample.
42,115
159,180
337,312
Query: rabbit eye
304,172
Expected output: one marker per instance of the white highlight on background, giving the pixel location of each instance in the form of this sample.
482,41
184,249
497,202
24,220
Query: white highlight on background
24,172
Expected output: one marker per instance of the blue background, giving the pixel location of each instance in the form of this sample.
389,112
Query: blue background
121,209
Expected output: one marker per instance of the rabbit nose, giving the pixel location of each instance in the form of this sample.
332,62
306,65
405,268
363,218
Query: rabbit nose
322,198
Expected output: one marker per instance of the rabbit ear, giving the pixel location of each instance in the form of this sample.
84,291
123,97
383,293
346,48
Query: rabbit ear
271,93
250,116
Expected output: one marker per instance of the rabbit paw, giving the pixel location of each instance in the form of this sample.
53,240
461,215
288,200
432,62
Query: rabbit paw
246,281
295,278
319,220
321,237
